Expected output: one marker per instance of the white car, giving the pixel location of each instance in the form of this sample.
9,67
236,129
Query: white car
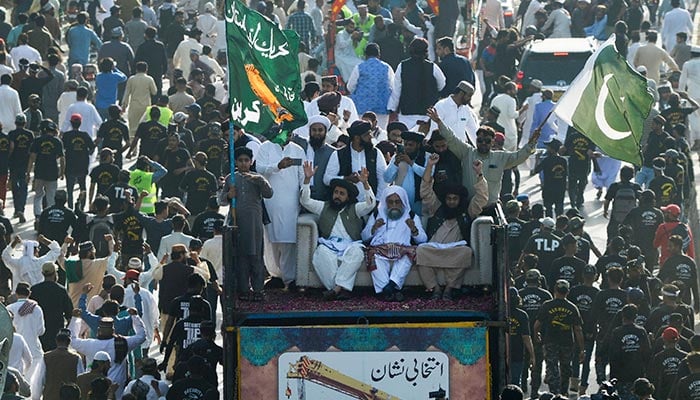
555,62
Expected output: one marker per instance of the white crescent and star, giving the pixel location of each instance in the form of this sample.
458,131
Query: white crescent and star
602,121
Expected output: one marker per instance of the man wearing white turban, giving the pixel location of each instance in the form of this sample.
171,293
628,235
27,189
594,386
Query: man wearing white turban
391,233
318,152
27,266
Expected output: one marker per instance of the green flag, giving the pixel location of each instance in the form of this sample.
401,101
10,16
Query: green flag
608,102
264,80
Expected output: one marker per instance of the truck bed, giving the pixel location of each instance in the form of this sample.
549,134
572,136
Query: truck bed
311,300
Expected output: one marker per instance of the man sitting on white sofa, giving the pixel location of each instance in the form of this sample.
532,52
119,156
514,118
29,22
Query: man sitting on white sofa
340,252
448,228
390,233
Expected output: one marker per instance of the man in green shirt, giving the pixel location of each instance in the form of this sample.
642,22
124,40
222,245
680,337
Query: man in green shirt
495,161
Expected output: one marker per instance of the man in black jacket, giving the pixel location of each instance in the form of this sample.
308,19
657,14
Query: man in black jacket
55,302
152,52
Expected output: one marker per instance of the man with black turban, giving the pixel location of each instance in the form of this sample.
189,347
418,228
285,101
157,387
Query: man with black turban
449,226
340,252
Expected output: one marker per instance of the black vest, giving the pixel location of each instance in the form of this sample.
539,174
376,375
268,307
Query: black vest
418,87
438,219
345,163
352,223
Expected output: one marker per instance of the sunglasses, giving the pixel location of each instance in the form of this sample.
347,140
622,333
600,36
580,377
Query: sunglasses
483,140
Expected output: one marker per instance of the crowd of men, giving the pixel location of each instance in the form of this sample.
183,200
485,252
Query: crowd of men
395,170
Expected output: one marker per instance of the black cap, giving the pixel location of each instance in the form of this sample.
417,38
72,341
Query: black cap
352,190
359,127
413,136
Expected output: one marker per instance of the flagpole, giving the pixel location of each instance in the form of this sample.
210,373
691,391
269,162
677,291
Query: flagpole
544,121
232,169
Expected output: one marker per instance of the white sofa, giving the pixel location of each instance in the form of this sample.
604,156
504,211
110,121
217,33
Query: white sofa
480,273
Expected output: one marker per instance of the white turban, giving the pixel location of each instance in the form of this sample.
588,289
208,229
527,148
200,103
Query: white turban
320,119
393,231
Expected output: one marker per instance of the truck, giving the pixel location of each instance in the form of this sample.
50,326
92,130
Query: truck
298,346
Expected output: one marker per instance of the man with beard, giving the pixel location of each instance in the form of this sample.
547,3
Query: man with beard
406,168
644,220
391,234
458,113
318,152
494,161
347,162
449,225
339,254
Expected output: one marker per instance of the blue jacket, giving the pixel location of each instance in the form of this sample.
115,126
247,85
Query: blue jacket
79,39
122,326
106,84
456,69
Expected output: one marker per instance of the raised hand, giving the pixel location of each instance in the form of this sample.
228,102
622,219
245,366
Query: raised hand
433,159
309,170
377,224
433,114
363,175
478,167
87,288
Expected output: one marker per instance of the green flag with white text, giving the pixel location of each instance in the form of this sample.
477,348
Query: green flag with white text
264,80
608,102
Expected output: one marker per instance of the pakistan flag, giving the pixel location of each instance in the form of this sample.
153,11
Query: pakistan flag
608,102
264,80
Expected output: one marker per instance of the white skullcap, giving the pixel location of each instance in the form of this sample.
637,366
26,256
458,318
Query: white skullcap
102,356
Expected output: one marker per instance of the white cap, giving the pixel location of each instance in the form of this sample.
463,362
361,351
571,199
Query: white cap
102,356
642,69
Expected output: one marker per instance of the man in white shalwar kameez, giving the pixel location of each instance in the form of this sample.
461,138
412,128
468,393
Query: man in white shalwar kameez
345,57
206,23
676,20
148,307
28,320
106,342
340,252
281,166
507,118
526,117
27,266
458,113
390,234
20,356
690,83
181,58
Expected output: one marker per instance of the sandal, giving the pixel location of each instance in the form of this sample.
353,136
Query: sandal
245,296
258,296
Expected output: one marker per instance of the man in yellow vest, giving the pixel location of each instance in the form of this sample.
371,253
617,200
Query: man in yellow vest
144,175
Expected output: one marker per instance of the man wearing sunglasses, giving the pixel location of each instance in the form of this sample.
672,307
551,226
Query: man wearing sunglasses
495,161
